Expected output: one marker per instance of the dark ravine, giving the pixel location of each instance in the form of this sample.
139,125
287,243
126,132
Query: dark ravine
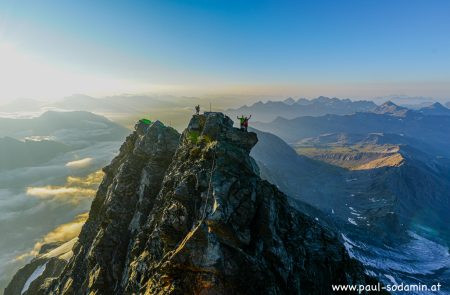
189,214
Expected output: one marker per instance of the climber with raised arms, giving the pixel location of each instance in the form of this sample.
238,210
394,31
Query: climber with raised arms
244,122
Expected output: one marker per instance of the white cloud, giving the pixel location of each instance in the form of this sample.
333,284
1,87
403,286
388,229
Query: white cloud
62,233
75,190
64,193
49,192
83,163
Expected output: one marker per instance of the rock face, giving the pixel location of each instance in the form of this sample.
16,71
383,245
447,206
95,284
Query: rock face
190,215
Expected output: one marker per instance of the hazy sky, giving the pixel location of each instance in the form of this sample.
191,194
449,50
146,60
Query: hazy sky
360,48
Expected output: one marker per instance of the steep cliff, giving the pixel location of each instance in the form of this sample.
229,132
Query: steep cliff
190,215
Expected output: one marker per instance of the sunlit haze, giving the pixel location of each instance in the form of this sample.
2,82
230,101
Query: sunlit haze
355,49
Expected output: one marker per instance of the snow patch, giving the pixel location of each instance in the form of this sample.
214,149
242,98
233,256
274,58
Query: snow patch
419,256
391,278
352,221
370,273
36,274
348,244
63,252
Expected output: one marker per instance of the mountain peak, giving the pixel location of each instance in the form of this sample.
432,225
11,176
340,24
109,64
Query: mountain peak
436,109
289,101
322,99
218,127
389,103
437,105
190,215
390,108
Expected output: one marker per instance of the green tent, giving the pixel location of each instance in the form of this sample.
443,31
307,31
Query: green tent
145,121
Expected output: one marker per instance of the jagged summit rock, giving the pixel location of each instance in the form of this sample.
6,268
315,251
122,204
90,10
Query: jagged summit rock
190,215
218,127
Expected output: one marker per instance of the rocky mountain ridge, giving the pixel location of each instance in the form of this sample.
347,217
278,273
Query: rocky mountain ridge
190,215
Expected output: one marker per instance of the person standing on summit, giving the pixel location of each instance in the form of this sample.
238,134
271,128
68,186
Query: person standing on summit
197,109
244,122
241,121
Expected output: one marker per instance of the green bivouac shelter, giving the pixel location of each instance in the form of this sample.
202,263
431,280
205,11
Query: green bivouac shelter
145,121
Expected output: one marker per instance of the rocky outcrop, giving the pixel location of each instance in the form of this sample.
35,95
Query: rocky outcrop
191,215
123,199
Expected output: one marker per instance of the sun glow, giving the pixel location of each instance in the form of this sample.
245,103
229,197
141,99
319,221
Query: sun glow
23,75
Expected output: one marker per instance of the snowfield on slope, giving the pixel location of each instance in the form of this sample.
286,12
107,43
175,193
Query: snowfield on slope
418,261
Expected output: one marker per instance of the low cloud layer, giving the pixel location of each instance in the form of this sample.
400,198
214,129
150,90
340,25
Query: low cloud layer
60,194
92,180
75,189
83,163
61,234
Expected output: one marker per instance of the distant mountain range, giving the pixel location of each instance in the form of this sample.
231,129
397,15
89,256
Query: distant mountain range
377,192
67,127
382,176
123,109
389,118
175,111
390,108
81,102
289,108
